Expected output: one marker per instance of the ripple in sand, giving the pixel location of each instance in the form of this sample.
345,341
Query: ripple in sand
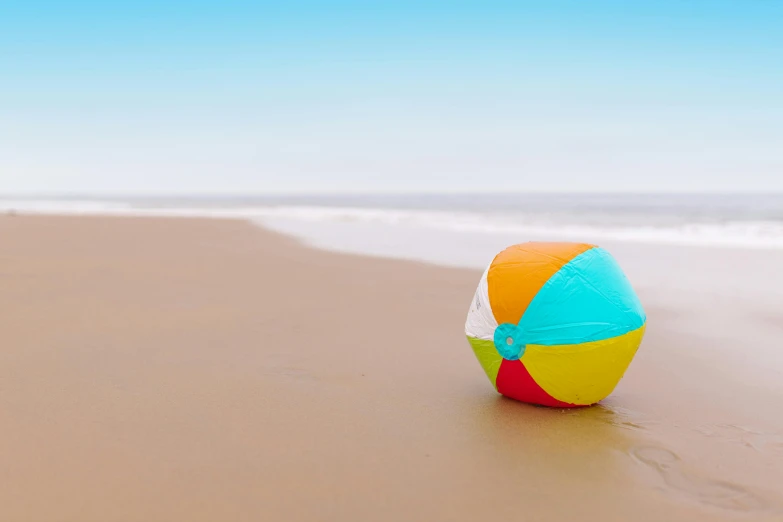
619,417
748,437
716,493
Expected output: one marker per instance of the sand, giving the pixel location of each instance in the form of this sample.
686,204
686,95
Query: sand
195,370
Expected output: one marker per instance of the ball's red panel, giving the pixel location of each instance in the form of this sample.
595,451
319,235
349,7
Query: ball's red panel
514,381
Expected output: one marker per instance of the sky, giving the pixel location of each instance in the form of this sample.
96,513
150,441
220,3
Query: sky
156,97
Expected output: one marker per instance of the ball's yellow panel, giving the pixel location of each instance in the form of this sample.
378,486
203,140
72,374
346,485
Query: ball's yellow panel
582,373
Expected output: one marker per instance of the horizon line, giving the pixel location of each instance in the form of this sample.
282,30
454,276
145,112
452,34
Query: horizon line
365,192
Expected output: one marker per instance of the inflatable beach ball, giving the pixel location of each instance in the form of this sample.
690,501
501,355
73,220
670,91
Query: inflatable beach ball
555,324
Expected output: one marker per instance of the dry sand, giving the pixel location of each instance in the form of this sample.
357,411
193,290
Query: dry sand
162,370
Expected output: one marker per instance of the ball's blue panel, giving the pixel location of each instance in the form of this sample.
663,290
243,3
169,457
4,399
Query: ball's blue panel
588,299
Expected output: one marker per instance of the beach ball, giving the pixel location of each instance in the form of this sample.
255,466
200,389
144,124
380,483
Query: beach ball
555,324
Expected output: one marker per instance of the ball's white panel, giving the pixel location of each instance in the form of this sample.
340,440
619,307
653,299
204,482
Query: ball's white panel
481,321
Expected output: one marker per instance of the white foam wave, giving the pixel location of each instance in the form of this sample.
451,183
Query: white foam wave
737,234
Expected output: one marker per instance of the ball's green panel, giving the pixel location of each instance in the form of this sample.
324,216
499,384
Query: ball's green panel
488,356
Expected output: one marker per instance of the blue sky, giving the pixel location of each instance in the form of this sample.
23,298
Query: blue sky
236,97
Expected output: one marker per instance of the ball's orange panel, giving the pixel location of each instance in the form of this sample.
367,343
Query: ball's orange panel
518,273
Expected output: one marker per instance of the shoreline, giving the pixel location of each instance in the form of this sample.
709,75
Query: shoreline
732,231
208,369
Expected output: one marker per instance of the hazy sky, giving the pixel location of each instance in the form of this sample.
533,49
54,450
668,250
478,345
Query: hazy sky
228,96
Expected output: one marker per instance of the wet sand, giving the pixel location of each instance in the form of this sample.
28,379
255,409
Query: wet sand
195,370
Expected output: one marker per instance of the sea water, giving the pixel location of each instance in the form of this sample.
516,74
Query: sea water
422,226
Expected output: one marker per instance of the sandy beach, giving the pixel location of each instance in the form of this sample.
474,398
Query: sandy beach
211,370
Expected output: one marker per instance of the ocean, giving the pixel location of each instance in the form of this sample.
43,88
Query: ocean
461,229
